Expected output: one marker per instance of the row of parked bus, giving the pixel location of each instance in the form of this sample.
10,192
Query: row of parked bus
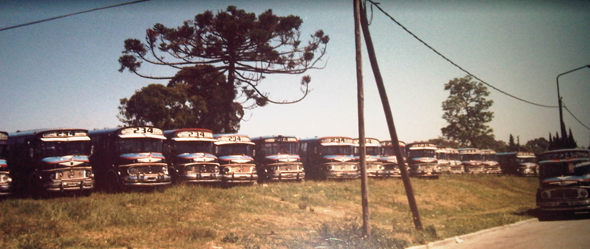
77,160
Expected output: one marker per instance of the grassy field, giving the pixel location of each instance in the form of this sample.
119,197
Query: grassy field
310,214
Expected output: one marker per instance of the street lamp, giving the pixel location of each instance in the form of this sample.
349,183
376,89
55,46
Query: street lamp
562,125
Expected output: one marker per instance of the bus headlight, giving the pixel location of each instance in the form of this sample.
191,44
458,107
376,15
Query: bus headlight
132,171
354,167
582,193
328,167
165,170
546,194
55,175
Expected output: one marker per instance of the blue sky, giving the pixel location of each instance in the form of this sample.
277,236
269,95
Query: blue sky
63,73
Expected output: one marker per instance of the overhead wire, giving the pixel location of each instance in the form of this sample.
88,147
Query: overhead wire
72,14
450,61
464,70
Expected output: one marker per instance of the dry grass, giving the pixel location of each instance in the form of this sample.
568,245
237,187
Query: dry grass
280,215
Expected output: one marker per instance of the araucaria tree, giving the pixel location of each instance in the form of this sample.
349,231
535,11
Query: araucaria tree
239,45
466,111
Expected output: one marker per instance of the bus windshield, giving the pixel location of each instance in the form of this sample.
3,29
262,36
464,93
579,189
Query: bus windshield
372,151
469,157
54,149
525,160
234,149
337,150
280,148
193,147
137,145
549,170
388,151
422,153
2,151
491,157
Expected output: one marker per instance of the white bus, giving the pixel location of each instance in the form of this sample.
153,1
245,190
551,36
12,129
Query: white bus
490,162
390,162
472,160
372,157
422,160
520,163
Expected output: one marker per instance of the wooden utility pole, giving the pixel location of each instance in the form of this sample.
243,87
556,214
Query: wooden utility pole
389,117
361,117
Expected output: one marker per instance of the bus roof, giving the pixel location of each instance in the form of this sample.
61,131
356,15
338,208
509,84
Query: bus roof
487,151
62,134
389,143
369,141
190,134
330,140
230,138
275,138
131,132
469,151
421,145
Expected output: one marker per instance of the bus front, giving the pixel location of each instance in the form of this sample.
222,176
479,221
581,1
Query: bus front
235,158
455,164
389,159
277,158
191,156
140,159
337,158
564,181
5,180
526,164
442,156
472,160
490,162
62,164
422,160
374,166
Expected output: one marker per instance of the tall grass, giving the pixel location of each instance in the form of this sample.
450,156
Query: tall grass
277,215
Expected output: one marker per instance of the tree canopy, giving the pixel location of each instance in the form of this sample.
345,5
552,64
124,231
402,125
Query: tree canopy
239,45
466,111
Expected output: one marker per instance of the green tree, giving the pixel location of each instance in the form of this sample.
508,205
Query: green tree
161,106
466,111
242,46
537,145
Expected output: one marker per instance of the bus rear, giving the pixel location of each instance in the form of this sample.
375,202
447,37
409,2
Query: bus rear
422,160
190,154
389,159
564,181
277,158
234,152
5,179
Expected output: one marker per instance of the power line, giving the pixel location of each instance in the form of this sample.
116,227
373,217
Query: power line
72,14
453,63
568,110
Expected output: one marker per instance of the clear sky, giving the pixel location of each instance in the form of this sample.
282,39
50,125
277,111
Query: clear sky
64,73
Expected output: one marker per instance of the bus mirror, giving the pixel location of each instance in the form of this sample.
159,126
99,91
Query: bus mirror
91,150
31,153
